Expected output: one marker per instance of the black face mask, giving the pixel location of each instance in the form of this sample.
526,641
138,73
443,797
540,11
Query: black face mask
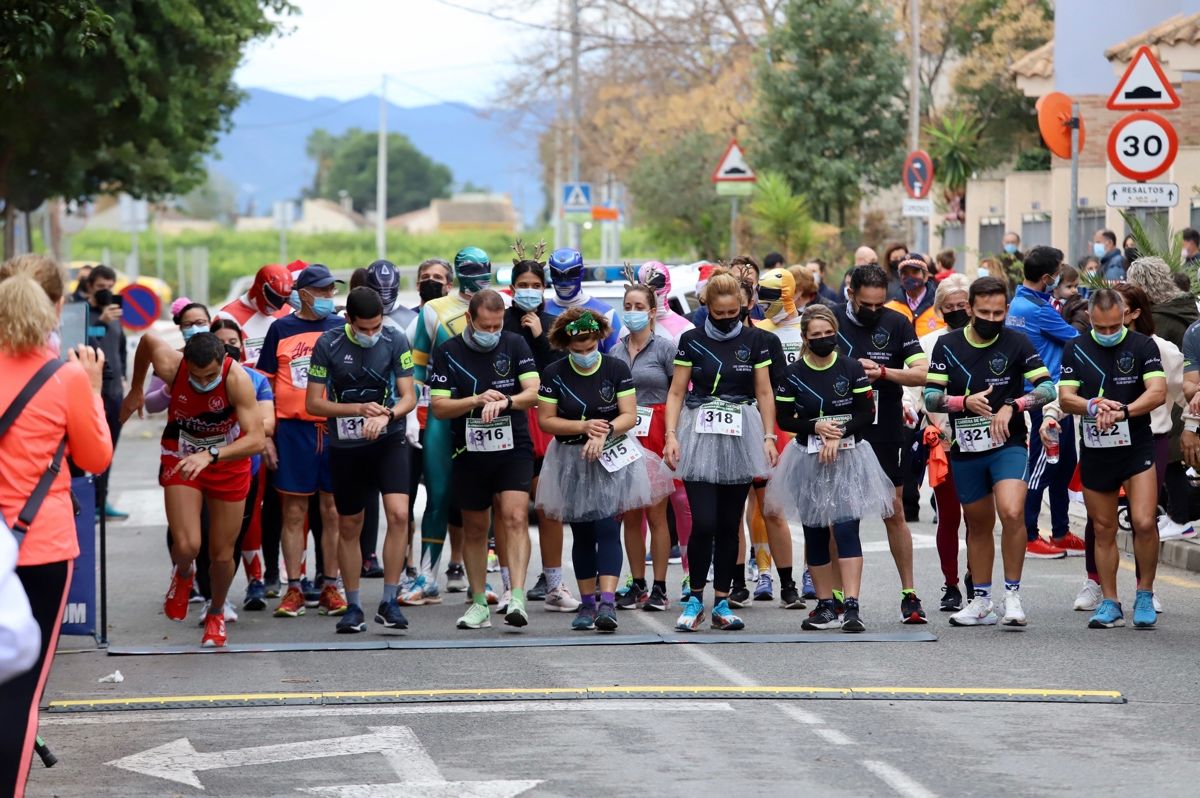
430,289
868,317
986,329
103,297
234,352
957,319
823,347
725,325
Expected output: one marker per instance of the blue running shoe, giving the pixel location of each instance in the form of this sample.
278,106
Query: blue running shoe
723,618
352,621
1144,615
1108,615
256,596
585,619
312,593
390,616
692,616
807,589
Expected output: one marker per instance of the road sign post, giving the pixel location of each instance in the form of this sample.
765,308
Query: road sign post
577,203
734,178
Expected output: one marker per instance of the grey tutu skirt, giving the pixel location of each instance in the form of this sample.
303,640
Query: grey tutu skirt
721,459
852,487
571,488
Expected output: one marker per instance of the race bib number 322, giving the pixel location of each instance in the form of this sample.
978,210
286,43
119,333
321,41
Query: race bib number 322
1116,435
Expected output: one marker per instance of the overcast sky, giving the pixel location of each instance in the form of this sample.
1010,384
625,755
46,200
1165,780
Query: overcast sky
432,51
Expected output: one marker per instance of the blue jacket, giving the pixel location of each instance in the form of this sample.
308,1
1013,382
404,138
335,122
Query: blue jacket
1112,266
1032,314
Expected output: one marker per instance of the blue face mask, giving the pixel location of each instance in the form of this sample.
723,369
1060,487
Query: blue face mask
322,306
188,332
293,300
1098,249
527,298
367,341
635,319
212,386
1010,249
483,339
1111,339
588,361
1054,284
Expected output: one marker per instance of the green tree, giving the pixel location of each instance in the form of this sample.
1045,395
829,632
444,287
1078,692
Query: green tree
673,195
831,94
413,179
779,217
954,145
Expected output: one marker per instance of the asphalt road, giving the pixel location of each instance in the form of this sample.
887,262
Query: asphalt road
731,736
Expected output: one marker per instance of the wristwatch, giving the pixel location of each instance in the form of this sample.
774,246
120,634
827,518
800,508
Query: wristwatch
1012,403
214,453
509,405
1126,409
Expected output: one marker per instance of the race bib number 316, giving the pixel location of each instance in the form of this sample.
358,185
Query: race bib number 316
719,418
489,436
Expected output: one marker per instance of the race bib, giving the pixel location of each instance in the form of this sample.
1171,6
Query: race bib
300,373
974,434
489,436
253,349
422,394
642,429
351,428
719,418
1116,435
189,445
816,443
791,352
618,453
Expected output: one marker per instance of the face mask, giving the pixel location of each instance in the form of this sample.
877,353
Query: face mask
528,299
912,283
1053,284
188,332
234,352
987,329
635,319
956,319
823,347
367,341
483,339
868,317
212,386
586,362
1098,250
322,306
725,325
294,300
430,289
1010,249
983,271
1111,339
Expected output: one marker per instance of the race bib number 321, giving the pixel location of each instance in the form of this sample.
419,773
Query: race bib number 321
974,434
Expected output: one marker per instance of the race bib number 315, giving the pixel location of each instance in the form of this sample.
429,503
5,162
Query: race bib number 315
719,418
618,453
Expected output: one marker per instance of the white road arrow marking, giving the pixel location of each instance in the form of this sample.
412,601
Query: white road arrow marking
429,789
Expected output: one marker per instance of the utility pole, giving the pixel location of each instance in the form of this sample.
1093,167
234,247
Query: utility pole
914,99
381,177
1073,214
557,199
575,111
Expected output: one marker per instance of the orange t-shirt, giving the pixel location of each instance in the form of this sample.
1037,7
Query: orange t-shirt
284,358
65,404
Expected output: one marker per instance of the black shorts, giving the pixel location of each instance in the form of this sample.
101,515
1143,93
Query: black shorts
888,455
478,478
1105,470
359,470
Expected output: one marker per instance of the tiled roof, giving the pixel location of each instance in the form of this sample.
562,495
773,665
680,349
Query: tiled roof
1180,29
1037,63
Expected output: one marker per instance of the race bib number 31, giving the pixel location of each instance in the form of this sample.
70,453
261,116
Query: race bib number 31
350,428
719,418
489,436
1116,435
618,453
974,434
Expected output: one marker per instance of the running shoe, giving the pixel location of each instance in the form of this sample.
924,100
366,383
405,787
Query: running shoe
389,616
825,616
606,617
292,604
332,602
692,616
312,594
539,589
272,586
560,600
1108,615
175,605
1014,613
516,615
676,556
414,596
911,611
633,598
657,600
477,616
214,632
256,596
196,596
852,619
978,612
407,580
493,565
952,598
1071,543
1042,549
723,617
492,598
230,613
752,566
1144,616
649,558
1089,597
1171,530
1158,607
116,515
502,606
765,589
371,569
807,589
433,594
685,588
352,621
585,621
739,597
456,578
789,598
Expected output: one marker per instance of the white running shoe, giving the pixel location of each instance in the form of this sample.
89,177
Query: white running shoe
977,613
1089,597
502,607
1013,614
231,615
1171,530
1157,604
560,600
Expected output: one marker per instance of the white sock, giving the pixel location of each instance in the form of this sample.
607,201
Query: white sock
553,578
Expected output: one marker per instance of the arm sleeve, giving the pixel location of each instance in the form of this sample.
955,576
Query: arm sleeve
88,438
158,395
267,356
318,365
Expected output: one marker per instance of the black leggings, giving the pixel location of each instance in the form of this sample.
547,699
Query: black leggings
46,587
272,528
816,542
716,519
370,528
596,548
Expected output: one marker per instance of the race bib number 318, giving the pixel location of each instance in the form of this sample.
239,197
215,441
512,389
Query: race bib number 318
719,418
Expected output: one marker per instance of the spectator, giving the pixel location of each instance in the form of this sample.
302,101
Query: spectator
944,264
774,261
80,294
891,264
829,295
864,256
104,333
1182,280
1075,312
1012,246
1066,287
1191,248
917,293
1129,250
1112,262
1173,309
807,288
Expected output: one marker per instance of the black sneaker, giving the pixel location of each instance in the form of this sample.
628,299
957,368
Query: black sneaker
789,598
633,598
538,591
739,597
968,586
371,569
851,620
390,616
911,610
606,617
825,616
657,600
352,621
952,598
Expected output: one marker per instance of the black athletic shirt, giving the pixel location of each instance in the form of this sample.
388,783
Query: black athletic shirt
457,371
354,373
543,353
807,394
583,397
891,343
1114,372
962,368
724,369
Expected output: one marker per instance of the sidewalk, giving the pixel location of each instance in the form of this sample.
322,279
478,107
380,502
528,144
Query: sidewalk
1181,553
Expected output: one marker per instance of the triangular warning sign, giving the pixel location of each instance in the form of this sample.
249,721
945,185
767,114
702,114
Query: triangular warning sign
577,198
733,167
1143,86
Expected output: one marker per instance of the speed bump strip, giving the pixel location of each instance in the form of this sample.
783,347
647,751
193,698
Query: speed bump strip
793,693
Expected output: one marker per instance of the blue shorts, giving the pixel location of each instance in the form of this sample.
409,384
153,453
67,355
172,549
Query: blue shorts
974,477
303,458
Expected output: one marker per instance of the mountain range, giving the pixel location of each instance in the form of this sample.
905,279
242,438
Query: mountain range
263,155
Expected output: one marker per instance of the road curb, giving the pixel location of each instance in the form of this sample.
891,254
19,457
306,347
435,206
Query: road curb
1184,554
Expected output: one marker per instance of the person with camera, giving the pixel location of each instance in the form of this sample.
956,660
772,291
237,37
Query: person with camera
104,333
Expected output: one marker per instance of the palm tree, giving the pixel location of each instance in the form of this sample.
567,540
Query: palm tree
781,217
954,147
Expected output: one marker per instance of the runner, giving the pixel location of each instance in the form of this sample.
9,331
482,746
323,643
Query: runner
383,277
1114,379
567,274
594,470
213,428
977,376
716,439
257,309
302,439
484,381
667,322
886,344
824,479
361,379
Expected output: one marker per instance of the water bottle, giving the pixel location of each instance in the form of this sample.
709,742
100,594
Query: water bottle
1052,449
